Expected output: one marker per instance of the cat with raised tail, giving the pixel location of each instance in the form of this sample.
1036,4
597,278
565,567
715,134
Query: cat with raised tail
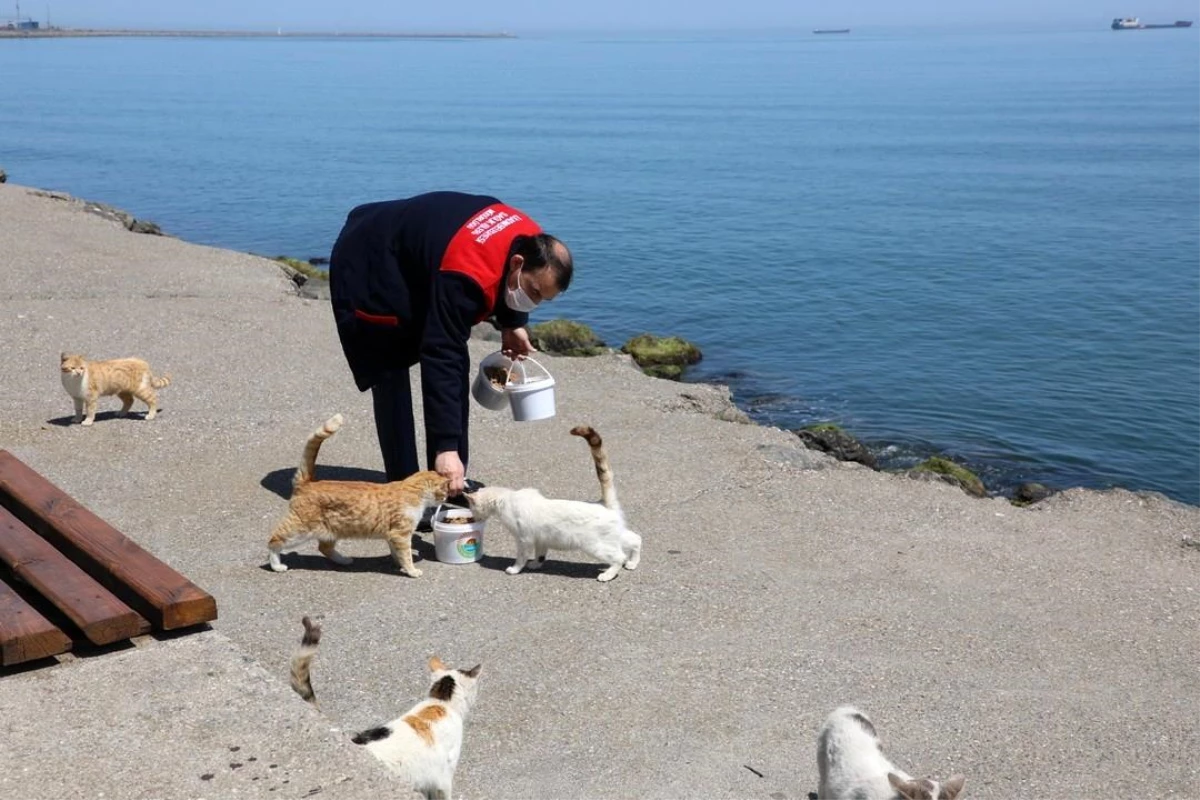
423,745
333,510
540,524
127,378
852,765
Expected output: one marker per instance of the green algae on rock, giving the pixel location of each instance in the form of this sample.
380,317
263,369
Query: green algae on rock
944,469
566,337
662,357
303,267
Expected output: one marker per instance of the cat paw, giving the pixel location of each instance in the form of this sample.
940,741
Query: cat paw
414,572
535,564
279,567
513,570
338,558
607,575
87,422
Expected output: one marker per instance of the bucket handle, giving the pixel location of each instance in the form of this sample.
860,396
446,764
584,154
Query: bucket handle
521,361
439,508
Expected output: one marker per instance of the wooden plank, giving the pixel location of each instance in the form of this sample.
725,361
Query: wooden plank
25,634
153,589
101,617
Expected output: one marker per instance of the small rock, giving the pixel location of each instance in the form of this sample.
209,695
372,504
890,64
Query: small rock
1030,493
3,176
835,441
566,338
144,226
943,469
662,357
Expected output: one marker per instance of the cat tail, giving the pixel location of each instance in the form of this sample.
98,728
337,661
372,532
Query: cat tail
302,660
160,383
308,464
608,491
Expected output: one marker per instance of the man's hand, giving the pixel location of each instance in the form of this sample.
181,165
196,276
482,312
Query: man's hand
449,465
514,342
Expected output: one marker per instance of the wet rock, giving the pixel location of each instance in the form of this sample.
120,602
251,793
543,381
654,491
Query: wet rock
1030,493
3,176
939,468
835,441
662,357
145,226
565,337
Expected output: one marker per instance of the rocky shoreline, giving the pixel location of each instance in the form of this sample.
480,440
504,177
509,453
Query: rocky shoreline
665,357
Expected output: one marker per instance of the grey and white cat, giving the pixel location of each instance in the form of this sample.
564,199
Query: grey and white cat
852,765
421,746
540,524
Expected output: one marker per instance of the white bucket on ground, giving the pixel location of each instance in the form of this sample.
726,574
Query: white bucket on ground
531,397
486,393
457,542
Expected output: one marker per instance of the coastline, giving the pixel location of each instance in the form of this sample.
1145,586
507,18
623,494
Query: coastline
895,455
70,33
965,627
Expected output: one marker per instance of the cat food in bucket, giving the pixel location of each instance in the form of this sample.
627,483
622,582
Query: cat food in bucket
457,535
491,378
530,396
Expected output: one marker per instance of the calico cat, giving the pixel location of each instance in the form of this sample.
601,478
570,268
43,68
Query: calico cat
87,381
423,745
539,523
332,510
852,766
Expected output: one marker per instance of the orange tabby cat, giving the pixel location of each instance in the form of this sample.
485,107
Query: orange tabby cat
332,510
87,381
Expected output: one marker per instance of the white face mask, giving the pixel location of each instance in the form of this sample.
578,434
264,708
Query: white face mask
516,299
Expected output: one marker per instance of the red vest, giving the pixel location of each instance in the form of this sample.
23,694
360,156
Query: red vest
479,249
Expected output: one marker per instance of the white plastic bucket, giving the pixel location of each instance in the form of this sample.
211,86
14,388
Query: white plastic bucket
486,393
457,542
531,398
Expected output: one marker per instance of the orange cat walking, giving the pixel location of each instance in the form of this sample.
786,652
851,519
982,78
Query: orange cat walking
88,381
332,510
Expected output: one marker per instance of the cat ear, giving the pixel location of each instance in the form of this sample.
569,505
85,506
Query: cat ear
952,787
907,789
474,671
62,356
436,665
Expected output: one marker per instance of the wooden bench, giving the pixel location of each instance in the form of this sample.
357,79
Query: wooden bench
78,567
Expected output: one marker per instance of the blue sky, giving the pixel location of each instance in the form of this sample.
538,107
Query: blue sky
541,15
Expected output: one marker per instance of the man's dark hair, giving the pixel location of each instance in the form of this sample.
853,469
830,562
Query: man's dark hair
542,250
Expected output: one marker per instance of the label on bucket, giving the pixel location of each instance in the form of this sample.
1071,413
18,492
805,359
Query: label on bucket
468,547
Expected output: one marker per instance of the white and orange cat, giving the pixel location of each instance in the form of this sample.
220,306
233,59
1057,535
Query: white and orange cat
88,381
852,766
422,746
540,523
332,510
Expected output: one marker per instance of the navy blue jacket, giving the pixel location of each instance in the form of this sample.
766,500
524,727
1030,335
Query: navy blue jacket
408,280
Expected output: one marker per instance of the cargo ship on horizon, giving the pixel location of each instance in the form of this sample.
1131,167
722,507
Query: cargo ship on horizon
1135,24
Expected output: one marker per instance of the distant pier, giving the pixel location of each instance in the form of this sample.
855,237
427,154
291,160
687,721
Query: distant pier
67,33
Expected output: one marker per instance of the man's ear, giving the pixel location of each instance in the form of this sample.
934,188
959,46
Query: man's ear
516,262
